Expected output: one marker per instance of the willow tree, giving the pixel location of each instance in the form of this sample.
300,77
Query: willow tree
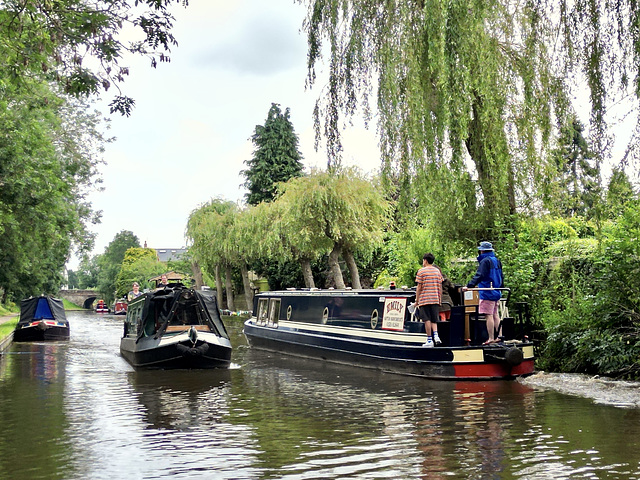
340,211
468,87
207,229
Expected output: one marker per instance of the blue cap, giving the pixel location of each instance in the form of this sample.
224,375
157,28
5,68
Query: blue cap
485,247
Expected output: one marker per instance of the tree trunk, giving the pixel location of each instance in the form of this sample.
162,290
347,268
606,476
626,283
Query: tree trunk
219,286
231,305
197,275
305,263
248,290
334,266
353,268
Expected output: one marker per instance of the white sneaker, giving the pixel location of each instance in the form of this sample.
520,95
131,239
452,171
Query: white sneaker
436,339
428,343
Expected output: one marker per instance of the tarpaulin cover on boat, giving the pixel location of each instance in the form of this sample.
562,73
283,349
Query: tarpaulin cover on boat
211,304
39,308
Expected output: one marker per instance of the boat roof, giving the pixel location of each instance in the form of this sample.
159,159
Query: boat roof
42,307
400,292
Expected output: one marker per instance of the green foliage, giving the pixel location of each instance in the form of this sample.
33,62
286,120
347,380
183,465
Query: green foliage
110,262
87,273
138,265
47,166
575,188
77,45
276,157
620,193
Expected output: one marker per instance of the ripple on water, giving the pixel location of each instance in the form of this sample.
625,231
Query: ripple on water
601,390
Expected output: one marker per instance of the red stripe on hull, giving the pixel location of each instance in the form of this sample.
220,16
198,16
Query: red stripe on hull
493,370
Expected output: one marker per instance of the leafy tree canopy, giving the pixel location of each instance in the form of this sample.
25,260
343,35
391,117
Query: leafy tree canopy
138,265
110,262
78,44
49,151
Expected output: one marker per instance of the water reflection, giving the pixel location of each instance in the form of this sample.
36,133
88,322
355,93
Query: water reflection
77,410
32,414
181,399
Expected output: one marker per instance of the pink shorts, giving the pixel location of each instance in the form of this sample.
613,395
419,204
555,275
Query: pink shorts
488,307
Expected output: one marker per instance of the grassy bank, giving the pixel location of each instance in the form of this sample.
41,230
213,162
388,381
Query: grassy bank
71,306
8,327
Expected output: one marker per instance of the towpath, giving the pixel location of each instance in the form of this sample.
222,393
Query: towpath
6,318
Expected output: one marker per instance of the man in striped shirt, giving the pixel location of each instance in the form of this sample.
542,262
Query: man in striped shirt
429,298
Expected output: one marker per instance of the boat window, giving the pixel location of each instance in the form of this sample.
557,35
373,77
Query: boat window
263,310
289,309
325,315
374,318
274,311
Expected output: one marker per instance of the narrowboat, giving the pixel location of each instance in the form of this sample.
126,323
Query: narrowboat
101,307
120,307
175,327
377,329
41,318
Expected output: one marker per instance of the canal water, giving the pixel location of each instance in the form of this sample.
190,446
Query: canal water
77,410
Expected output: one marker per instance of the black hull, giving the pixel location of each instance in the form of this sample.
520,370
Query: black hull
38,334
149,353
473,363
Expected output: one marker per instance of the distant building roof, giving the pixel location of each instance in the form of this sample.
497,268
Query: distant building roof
171,277
170,254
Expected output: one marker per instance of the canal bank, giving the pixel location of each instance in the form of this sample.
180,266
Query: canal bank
5,340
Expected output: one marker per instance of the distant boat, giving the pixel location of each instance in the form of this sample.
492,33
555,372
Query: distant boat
101,307
120,307
41,318
175,327
376,329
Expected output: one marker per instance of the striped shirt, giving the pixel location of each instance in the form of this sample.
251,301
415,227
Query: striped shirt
429,280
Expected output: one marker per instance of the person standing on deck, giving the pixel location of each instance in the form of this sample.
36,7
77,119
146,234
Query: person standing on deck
488,275
429,297
135,293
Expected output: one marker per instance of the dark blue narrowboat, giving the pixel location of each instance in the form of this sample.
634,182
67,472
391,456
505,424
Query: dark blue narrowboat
41,318
376,329
175,327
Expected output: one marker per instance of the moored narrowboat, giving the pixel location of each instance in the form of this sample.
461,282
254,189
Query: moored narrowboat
175,327
120,307
376,329
41,318
101,307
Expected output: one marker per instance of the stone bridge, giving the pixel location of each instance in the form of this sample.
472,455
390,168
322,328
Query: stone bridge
82,298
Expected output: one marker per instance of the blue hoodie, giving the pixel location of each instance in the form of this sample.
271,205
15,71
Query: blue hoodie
489,275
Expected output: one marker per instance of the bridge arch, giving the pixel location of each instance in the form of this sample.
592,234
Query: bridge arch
82,298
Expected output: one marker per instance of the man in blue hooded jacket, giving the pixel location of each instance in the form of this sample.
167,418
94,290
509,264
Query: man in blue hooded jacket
488,275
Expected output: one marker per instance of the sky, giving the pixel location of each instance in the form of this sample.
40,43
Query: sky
189,134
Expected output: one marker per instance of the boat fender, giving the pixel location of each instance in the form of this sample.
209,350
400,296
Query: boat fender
192,351
42,325
514,356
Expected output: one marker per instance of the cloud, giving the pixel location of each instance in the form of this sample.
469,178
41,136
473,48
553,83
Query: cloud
263,44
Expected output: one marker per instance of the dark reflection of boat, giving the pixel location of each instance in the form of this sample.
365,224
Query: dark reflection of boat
314,419
374,329
41,318
181,399
175,327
